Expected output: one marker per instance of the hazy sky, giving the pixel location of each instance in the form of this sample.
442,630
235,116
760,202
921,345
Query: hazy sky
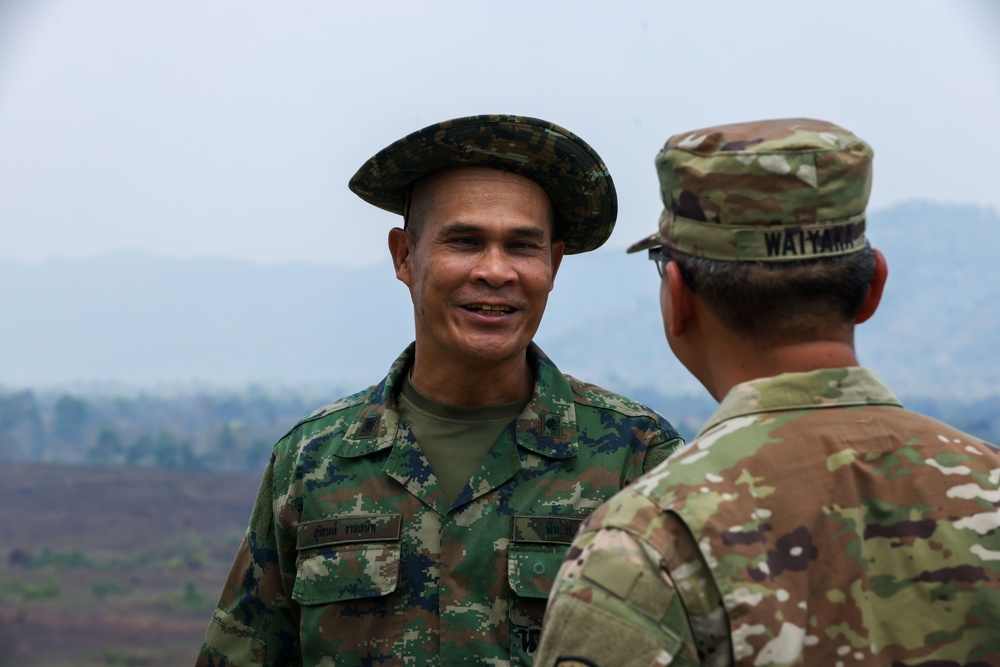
230,128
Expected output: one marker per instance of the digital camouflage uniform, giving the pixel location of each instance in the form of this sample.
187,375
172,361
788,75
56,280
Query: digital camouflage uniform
813,520
354,556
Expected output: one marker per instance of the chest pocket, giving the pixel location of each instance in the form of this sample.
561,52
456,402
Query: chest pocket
347,558
536,551
532,568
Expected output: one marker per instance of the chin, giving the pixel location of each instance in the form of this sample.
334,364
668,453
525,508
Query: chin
493,355
494,351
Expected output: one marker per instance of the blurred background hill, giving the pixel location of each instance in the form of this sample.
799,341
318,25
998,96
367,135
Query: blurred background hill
135,359
141,320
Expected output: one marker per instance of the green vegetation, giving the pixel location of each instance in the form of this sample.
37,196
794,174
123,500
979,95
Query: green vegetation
113,657
234,431
123,565
59,559
192,597
76,559
222,432
109,587
19,590
116,657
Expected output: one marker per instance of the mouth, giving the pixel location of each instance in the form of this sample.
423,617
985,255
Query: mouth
488,309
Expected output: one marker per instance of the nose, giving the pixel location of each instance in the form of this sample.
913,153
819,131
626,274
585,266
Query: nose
494,267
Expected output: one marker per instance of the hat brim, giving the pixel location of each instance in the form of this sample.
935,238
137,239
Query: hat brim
651,241
571,172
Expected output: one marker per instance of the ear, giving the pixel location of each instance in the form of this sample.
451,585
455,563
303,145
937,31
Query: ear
557,254
681,300
401,248
874,295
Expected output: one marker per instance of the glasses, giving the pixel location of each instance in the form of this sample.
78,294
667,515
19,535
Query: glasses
662,259
657,255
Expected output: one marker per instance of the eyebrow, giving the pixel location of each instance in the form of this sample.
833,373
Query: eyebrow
466,228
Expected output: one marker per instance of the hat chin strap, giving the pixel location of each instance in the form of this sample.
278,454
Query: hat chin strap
406,205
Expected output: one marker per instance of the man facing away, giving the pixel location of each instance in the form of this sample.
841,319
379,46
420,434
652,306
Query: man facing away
813,520
422,521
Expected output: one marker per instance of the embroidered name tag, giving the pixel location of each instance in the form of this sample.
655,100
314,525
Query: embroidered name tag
348,529
559,529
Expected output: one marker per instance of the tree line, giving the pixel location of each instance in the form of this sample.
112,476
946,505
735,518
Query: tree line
203,430
234,431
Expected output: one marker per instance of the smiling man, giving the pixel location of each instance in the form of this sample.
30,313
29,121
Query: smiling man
421,521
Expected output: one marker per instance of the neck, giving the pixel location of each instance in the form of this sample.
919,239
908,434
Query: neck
731,358
489,383
792,358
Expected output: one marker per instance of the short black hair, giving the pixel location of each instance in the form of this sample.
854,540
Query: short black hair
785,300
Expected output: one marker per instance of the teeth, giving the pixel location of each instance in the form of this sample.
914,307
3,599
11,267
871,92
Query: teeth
491,309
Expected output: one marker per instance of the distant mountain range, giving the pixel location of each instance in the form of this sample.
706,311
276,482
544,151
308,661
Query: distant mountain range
142,320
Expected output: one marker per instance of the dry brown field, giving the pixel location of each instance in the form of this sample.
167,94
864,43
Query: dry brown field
113,566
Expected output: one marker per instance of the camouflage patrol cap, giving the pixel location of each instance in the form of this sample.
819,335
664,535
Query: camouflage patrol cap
770,190
571,172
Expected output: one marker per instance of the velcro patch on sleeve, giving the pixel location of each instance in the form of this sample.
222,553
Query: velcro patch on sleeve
570,638
612,574
627,582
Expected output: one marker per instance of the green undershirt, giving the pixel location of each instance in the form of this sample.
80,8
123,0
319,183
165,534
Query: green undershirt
455,439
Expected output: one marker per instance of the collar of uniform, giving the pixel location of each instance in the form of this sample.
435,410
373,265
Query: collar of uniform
546,426
377,423
824,388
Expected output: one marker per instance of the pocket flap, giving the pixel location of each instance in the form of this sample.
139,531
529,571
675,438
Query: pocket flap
532,568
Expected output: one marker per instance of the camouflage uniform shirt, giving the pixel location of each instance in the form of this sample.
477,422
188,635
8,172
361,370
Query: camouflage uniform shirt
813,521
355,556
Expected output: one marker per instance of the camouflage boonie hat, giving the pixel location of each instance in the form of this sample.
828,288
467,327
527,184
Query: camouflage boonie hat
770,191
571,172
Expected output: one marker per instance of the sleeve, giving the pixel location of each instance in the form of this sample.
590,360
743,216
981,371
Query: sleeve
666,441
254,624
613,604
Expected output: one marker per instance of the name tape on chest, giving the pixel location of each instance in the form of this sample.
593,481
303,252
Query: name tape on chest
349,529
546,529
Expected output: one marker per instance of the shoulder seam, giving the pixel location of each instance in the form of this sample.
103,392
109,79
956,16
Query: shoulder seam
339,405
